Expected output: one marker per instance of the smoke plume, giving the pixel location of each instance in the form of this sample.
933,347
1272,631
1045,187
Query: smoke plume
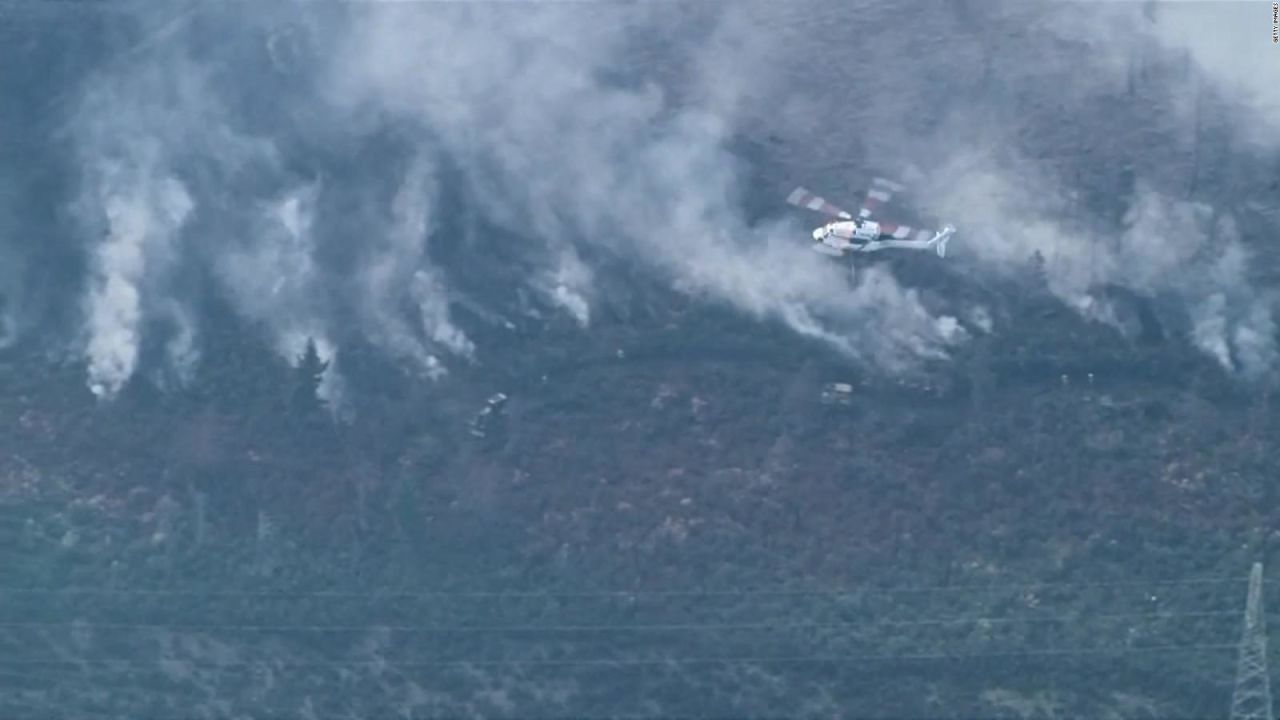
313,164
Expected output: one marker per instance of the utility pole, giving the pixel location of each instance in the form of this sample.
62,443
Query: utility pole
1252,697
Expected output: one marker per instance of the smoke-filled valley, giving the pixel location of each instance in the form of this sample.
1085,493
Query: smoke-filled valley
263,267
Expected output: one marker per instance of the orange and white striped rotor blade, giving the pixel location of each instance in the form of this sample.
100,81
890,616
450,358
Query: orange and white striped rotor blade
879,194
805,199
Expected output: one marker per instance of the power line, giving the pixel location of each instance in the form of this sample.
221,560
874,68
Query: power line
551,594
131,664
641,627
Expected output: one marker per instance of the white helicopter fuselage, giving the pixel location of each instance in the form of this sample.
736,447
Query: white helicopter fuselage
846,233
845,236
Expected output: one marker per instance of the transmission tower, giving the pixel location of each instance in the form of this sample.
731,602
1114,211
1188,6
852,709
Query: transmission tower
1252,697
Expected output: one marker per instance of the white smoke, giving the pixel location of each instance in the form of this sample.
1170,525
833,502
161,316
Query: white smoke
980,318
433,305
1230,43
1165,247
130,129
273,278
568,284
399,271
596,129
181,351
143,215
567,155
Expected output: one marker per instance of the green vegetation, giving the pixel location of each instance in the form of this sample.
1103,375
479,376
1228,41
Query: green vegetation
339,567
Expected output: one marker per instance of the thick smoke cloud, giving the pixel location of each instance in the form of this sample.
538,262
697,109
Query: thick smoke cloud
136,131
1158,117
238,144
568,284
1163,247
556,145
559,152
1107,137
133,209
142,222
166,137
275,282
399,268
1231,44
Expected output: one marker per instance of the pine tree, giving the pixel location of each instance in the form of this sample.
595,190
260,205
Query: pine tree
308,376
